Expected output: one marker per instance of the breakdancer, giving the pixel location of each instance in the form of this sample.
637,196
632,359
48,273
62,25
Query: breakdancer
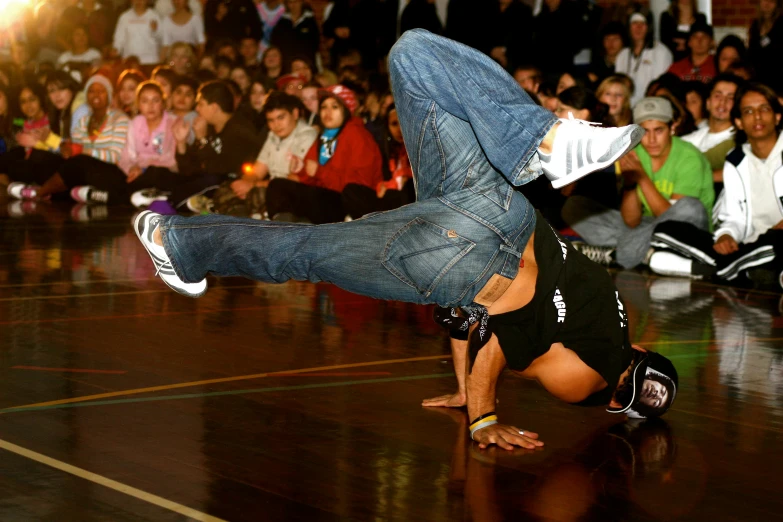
470,243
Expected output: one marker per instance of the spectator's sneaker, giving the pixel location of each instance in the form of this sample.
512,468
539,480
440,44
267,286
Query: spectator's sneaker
88,194
596,254
145,197
200,204
581,147
19,190
685,239
145,225
667,263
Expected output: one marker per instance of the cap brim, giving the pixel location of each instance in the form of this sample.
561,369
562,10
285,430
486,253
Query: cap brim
639,372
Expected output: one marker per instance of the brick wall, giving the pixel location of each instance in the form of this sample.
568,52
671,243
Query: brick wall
734,13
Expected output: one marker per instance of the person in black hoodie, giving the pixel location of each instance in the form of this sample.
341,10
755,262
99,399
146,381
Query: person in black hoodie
297,33
224,142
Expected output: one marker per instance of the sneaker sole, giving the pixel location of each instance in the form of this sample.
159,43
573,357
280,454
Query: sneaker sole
140,229
636,134
683,248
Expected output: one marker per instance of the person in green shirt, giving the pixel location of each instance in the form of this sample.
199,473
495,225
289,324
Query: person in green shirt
664,179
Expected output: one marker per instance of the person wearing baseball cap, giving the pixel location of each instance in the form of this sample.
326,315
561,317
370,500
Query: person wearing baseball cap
664,179
345,153
643,60
699,65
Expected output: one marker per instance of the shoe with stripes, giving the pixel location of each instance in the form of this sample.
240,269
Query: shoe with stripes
88,194
581,147
145,225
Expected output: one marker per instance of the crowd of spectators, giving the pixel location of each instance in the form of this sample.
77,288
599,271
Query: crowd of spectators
272,110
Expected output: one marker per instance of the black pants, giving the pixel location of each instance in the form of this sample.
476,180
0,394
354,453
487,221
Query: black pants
34,170
359,200
318,205
86,170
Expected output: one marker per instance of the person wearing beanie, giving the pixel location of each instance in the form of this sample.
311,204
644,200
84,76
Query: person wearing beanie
344,153
664,179
97,141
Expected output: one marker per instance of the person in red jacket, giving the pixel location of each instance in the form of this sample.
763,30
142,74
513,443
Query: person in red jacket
344,153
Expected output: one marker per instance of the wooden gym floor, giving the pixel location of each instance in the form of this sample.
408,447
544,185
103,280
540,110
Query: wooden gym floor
123,401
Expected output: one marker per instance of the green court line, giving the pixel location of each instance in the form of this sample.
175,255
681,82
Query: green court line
232,392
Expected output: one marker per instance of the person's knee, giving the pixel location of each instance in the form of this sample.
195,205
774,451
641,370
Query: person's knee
691,210
411,42
574,209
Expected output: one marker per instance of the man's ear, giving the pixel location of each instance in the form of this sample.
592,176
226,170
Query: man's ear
295,113
738,124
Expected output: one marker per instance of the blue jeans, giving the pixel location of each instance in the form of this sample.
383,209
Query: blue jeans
471,133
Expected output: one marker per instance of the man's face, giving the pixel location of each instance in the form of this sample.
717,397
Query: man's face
527,80
757,118
657,139
654,394
721,101
700,43
205,109
613,44
638,31
282,122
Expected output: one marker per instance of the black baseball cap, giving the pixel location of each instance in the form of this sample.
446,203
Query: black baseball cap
701,27
653,383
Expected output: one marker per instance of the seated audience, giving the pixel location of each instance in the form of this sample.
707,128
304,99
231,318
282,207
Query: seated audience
297,33
80,55
249,52
676,24
730,50
344,153
231,20
127,83
359,200
749,218
181,58
699,65
528,77
716,139
604,59
165,77
614,92
765,44
90,171
695,97
664,179
642,60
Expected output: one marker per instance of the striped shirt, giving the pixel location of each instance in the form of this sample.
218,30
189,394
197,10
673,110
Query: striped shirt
107,144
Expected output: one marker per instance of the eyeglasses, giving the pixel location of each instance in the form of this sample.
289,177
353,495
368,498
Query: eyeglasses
751,111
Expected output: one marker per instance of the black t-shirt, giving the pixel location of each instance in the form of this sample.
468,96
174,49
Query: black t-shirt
575,303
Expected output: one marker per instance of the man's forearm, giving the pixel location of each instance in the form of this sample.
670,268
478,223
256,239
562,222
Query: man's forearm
481,382
657,203
459,354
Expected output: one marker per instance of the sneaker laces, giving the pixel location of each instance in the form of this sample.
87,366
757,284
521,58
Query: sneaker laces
99,196
571,119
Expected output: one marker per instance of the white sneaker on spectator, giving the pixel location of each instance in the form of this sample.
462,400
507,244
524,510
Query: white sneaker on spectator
581,147
19,190
145,225
89,194
200,204
145,197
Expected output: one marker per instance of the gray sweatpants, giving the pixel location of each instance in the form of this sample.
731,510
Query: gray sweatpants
602,226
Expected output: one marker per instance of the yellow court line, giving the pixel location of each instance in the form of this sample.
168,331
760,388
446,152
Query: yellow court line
109,483
224,379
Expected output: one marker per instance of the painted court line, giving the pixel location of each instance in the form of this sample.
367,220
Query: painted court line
68,370
159,398
221,380
109,483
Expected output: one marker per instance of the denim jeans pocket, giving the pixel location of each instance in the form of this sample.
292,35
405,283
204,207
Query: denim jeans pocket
421,253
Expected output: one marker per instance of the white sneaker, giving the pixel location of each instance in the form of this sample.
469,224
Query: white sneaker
19,190
145,197
581,147
145,225
200,204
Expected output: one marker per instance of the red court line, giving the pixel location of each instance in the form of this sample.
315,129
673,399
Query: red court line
332,374
68,370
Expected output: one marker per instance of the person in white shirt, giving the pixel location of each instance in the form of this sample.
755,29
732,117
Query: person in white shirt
138,34
182,25
717,138
80,52
166,7
642,61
